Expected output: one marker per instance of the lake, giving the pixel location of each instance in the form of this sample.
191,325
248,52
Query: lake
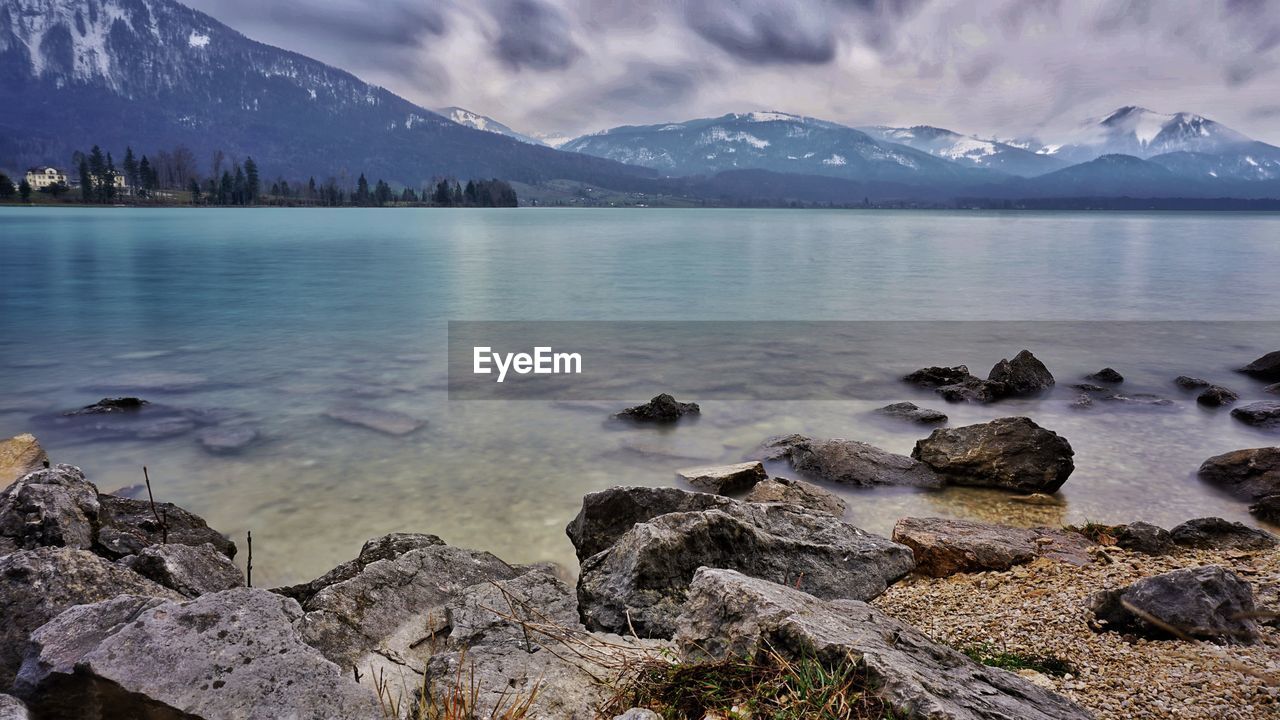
269,320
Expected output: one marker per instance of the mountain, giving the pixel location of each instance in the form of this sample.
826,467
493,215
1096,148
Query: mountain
969,150
1125,175
156,74
475,121
774,141
555,140
1250,161
1143,133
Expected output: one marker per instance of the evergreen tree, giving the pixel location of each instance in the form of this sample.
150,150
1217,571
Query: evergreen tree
252,185
361,196
225,187
6,187
97,169
195,191
109,181
285,190
457,194
240,188
131,177
145,177
382,193
86,182
442,196
24,190
408,196
470,193
311,188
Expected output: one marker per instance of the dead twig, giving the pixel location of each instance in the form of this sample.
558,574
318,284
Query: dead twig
248,565
161,521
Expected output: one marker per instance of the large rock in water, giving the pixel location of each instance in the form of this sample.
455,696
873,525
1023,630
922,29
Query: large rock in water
232,654
640,582
944,547
192,570
1023,375
20,455
662,409
37,585
53,507
913,413
1011,453
1264,414
732,615
1246,474
1209,603
1266,367
849,462
608,514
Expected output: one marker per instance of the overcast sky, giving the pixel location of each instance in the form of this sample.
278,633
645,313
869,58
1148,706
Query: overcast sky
991,67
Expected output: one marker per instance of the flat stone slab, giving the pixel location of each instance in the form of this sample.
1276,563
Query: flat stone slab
724,479
389,422
945,547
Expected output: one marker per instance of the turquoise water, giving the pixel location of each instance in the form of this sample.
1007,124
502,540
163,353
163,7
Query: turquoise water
270,318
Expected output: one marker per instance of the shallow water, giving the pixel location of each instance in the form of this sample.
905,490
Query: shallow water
275,316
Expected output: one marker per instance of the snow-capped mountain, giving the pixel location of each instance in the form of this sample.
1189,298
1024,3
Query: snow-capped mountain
555,140
1143,133
476,121
154,74
774,141
968,149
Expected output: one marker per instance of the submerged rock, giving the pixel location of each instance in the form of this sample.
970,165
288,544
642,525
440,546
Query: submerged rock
938,376
799,493
1266,367
1214,533
1264,414
973,390
37,585
1022,375
192,570
1216,396
1187,382
1106,375
388,422
232,654
641,581
226,440
20,455
110,405
724,479
608,514
1011,453
945,547
662,408
730,615
1208,603
913,413
849,462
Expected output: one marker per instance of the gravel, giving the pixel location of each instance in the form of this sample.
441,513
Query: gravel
1042,609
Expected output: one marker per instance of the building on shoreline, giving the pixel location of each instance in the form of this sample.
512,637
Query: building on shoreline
46,176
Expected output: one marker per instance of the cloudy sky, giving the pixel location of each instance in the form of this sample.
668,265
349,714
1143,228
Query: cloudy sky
991,67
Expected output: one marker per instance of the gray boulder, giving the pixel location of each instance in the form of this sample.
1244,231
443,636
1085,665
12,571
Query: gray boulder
1247,474
608,514
724,479
11,708
938,376
37,585
849,462
799,493
374,620
1023,375
944,547
973,390
1266,367
1209,603
913,413
192,570
1145,538
640,582
729,614
386,547
661,409
1217,534
53,507
1216,396
1106,375
1263,414
1187,382
638,714
1272,389
232,654
1267,509
1011,453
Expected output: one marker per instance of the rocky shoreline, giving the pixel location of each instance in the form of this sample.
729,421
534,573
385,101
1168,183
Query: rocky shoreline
118,607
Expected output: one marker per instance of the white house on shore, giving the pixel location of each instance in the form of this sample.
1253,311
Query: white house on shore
42,177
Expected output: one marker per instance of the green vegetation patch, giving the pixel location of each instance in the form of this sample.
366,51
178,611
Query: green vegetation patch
995,657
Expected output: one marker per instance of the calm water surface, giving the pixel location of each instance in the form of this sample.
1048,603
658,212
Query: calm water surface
268,318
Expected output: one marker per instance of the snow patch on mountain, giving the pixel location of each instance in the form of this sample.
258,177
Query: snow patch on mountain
197,40
719,134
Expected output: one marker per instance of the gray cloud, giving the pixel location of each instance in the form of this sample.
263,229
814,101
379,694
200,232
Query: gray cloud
534,34
760,31
992,67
